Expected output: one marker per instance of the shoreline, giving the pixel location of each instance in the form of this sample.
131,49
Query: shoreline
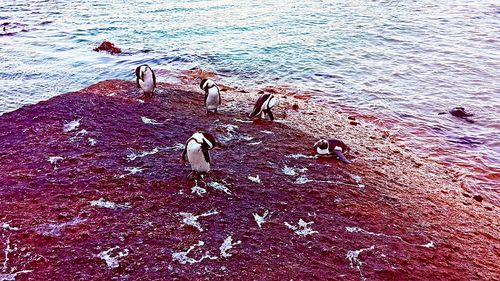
389,215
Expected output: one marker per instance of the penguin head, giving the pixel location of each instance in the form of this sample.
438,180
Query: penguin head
202,84
321,144
139,71
206,84
208,141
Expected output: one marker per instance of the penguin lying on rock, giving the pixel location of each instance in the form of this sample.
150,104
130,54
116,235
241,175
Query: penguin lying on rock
332,147
196,152
145,79
263,105
212,94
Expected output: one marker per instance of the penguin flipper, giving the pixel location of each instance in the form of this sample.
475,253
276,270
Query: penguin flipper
220,100
206,154
137,82
270,114
205,100
341,157
184,153
154,78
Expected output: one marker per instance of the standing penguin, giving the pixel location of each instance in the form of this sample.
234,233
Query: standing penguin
212,94
263,105
332,146
196,152
146,79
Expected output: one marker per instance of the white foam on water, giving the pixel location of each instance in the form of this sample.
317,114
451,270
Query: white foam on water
73,125
353,257
113,261
260,220
56,229
111,94
302,229
140,101
227,245
92,141
192,220
132,156
150,121
255,143
12,276
255,179
220,187
183,258
102,203
7,226
356,229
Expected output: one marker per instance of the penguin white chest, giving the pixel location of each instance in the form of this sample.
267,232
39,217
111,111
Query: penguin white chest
196,158
148,84
323,151
213,98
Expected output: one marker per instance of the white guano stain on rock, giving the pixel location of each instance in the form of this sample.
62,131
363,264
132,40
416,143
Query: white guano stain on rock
292,171
198,190
150,121
133,155
302,229
261,219
356,229
353,257
255,179
73,125
227,245
56,229
102,203
113,261
192,220
220,187
12,276
183,258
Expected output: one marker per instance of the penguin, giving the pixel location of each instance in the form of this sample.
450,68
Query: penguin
212,94
146,79
196,152
460,112
332,146
263,105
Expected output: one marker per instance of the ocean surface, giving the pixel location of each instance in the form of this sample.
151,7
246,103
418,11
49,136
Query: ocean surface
399,63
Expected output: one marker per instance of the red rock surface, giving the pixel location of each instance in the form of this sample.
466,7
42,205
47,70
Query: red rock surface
108,47
390,215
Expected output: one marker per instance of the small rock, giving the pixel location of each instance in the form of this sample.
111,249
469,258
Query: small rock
354,123
295,107
478,198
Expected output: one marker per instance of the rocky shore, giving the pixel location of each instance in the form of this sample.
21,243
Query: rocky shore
91,188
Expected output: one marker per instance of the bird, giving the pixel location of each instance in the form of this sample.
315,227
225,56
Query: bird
196,152
332,147
263,105
212,94
146,79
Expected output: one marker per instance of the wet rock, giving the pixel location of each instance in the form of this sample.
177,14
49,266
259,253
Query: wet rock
108,47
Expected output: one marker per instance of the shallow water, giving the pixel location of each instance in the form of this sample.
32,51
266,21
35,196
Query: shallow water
401,63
